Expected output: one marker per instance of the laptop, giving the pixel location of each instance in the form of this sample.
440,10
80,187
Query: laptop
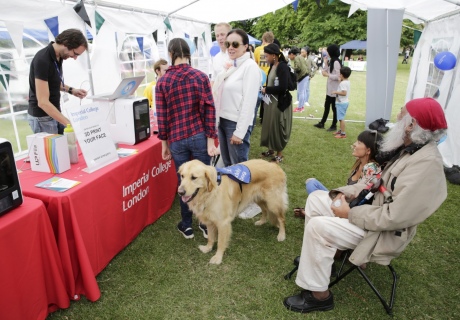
126,88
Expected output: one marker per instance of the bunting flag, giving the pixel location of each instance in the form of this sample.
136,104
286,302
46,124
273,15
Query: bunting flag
353,8
168,24
99,21
53,25
417,35
318,2
186,35
203,35
195,40
155,36
15,29
295,4
140,42
81,11
5,76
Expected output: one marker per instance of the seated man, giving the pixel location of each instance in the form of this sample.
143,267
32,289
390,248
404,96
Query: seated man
377,232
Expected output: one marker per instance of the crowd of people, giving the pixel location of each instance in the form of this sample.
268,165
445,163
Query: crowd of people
334,220
194,112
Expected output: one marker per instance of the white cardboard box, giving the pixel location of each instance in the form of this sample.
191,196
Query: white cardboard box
48,152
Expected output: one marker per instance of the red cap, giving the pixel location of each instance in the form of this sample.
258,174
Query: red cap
428,113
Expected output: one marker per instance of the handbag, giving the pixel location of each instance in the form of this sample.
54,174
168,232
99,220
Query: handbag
379,125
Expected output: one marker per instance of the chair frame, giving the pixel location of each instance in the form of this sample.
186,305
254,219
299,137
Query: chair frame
388,305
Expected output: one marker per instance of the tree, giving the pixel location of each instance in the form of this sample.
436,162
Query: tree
314,26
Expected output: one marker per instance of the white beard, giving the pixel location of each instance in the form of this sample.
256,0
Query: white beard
395,137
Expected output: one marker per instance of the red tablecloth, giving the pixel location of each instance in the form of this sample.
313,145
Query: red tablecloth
31,275
96,219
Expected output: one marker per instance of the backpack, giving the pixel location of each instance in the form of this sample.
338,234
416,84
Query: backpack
292,81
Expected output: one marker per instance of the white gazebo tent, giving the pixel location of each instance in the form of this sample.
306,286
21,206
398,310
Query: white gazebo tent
122,21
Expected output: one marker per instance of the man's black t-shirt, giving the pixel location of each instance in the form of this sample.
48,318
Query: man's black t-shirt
44,67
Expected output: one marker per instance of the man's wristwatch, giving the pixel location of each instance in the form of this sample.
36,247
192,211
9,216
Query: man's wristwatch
70,90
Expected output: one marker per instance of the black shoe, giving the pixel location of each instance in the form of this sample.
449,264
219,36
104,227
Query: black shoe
306,302
204,229
186,232
319,125
332,128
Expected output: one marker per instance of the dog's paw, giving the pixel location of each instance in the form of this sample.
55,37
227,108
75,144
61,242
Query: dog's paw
260,222
281,237
205,249
216,260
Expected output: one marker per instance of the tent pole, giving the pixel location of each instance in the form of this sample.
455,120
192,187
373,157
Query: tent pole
88,60
174,11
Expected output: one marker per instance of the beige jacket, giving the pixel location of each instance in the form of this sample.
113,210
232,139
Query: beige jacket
418,188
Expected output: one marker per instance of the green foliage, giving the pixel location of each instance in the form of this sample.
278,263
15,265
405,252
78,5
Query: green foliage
316,27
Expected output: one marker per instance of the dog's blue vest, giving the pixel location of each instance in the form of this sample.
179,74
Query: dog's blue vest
238,173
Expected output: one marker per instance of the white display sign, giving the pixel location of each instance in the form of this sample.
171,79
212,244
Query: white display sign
93,135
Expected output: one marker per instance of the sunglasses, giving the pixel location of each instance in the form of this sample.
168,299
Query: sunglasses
234,44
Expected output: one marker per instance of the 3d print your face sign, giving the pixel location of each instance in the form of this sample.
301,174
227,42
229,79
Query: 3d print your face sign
138,190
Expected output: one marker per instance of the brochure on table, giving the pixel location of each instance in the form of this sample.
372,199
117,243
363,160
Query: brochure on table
93,135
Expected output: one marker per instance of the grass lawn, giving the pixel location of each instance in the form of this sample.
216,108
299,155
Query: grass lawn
161,275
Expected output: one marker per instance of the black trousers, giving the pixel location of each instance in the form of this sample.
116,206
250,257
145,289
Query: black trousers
330,101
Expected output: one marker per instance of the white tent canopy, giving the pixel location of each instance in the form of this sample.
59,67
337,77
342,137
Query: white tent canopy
209,11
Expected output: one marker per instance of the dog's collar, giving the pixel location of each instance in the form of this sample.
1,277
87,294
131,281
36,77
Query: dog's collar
193,195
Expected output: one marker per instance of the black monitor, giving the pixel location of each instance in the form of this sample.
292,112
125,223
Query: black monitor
10,190
141,112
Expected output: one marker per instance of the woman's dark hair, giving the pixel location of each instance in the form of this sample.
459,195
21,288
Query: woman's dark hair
372,140
334,53
273,48
179,49
243,36
72,39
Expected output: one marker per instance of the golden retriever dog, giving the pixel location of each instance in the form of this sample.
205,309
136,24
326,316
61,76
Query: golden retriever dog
217,205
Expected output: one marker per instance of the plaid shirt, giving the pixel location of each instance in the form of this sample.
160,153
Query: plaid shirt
184,104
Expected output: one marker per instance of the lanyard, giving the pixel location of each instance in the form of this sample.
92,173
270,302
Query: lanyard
60,76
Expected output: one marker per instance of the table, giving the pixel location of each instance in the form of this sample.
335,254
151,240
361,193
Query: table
96,219
31,275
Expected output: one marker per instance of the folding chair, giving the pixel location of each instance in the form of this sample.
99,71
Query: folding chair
388,305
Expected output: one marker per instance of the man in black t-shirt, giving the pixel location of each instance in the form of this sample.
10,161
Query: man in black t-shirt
46,80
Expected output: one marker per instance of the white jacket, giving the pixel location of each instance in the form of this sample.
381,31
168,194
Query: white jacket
239,96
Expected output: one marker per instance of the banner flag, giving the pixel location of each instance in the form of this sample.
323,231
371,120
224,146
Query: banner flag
140,42
15,29
99,21
417,35
5,76
81,11
295,4
53,25
168,24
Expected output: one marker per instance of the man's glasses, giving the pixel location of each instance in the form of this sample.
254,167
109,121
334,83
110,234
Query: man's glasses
234,44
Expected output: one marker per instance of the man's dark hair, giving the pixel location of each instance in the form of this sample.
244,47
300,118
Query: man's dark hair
72,39
345,72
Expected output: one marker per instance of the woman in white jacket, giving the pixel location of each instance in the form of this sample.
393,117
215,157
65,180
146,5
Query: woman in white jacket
235,93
